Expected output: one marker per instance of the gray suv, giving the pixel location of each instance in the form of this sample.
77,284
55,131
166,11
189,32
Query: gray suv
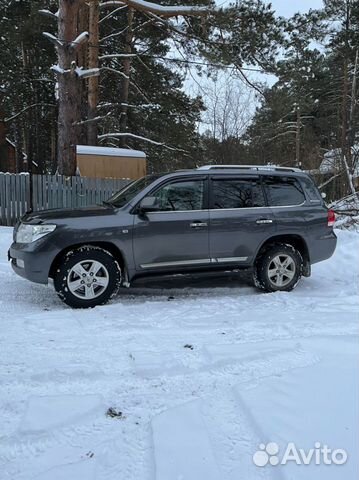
270,220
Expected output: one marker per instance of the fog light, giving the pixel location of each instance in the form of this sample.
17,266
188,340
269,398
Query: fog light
20,263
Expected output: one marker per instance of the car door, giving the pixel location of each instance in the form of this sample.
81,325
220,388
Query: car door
176,236
239,219
286,198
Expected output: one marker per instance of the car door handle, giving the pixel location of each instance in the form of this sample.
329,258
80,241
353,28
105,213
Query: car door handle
263,221
198,224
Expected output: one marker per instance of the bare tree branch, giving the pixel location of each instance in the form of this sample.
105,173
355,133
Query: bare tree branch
113,70
112,13
330,180
9,119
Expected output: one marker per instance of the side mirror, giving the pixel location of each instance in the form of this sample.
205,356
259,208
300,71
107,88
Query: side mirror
149,204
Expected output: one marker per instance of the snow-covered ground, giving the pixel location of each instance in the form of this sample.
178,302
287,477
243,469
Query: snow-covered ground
196,378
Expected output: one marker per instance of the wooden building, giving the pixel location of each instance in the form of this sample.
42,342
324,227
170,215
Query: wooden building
105,162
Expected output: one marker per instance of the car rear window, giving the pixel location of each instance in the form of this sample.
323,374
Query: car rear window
311,189
283,191
236,193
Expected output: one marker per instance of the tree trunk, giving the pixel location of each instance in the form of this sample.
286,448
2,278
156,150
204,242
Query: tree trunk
68,88
345,149
19,148
298,163
82,59
353,103
93,82
126,62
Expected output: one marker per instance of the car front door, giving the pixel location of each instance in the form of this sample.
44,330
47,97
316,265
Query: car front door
175,237
239,219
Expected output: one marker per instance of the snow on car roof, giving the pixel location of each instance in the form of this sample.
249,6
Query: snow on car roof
108,151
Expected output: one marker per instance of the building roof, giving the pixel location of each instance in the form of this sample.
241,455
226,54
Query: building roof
110,152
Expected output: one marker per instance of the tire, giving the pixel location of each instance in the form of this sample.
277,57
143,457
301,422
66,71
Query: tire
87,277
278,269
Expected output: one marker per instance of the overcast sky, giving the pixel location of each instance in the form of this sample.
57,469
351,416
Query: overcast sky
284,8
287,8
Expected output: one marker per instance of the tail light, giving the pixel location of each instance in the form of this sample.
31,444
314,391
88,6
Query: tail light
331,218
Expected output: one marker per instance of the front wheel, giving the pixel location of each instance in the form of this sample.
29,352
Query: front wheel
87,276
278,269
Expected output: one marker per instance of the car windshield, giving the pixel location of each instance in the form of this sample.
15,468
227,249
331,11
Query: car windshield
126,194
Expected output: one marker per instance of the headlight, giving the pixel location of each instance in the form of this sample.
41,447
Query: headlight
29,233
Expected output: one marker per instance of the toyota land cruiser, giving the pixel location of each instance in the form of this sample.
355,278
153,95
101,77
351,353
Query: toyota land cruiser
271,220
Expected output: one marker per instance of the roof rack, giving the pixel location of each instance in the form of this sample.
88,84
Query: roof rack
249,167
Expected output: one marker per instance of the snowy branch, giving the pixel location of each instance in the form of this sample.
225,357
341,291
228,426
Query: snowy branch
52,39
283,134
109,69
53,16
118,55
79,71
165,10
112,4
138,137
83,37
96,119
154,106
86,73
58,69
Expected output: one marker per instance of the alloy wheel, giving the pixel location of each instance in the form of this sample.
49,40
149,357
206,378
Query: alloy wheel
88,279
281,270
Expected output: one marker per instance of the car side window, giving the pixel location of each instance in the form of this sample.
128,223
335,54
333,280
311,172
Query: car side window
181,195
283,191
311,189
236,193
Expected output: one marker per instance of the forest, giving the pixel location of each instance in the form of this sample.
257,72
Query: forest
189,83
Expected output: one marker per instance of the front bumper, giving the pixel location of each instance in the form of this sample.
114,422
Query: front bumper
30,263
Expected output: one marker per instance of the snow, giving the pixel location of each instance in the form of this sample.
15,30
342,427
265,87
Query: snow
108,151
160,9
49,13
83,37
177,434
332,161
58,69
52,39
86,73
203,374
48,412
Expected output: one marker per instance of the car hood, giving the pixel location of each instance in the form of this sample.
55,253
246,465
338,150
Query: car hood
48,216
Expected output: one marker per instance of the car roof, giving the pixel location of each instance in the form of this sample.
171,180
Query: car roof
250,170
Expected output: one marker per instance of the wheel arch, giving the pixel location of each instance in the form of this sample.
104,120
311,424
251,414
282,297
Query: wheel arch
108,246
297,241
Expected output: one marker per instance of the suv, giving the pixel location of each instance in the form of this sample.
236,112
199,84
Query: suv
271,220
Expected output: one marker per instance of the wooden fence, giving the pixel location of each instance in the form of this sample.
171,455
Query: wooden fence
51,191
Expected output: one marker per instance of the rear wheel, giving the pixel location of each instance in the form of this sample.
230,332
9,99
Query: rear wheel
279,268
87,276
